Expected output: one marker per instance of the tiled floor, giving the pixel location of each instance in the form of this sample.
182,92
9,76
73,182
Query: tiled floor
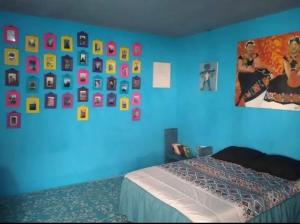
90,202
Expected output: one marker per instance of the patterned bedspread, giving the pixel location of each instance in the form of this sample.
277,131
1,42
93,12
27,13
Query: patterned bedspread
252,191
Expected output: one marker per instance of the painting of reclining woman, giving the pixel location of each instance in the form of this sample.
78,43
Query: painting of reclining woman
268,73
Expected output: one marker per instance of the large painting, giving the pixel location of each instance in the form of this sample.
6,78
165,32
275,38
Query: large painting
268,73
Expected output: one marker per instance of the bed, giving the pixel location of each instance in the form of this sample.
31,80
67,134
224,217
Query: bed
207,189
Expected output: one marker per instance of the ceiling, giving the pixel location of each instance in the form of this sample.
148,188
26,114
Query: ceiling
163,17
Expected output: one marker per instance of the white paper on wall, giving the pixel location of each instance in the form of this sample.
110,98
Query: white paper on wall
161,75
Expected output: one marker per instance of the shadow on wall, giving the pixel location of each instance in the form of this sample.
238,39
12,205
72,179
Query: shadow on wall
8,184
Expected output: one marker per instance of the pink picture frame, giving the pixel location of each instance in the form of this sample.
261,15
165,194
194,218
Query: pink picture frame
136,114
124,71
83,77
11,35
13,120
136,49
97,100
67,101
136,99
111,49
12,99
50,41
32,65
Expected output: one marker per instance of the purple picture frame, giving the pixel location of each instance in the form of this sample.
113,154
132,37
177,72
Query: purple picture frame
13,120
124,71
111,49
83,94
11,34
50,81
97,100
50,41
12,77
13,99
66,63
111,83
97,65
136,82
32,65
111,100
67,101
50,101
82,39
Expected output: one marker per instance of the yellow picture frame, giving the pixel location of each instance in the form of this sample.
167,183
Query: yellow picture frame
136,66
97,47
124,103
49,62
66,43
83,113
11,56
32,43
124,54
32,105
110,67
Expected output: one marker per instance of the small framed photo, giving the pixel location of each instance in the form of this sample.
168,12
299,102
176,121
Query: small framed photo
67,43
82,39
97,100
124,71
136,82
49,41
111,49
124,53
32,85
136,49
111,83
67,101
97,65
124,104
83,94
50,81
32,65
83,113
136,114
50,100
13,120
82,58
124,87
11,35
136,99
83,77
50,62
97,82
32,43
208,76
110,66
11,56
12,77
67,81
136,66
111,100
97,47
66,63
32,105
13,99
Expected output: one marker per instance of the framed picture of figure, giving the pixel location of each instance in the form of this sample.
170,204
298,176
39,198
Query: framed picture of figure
13,120
83,113
136,49
50,62
13,99
32,65
97,65
83,77
50,81
49,41
124,54
67,82
97,47
12,77
11,56
111,83
11,35
67,63
111,100
97,82
83,58
124,87
83,94
82,39
67,43
111,49
97,100
32,84
67,101
32,43
50,100
136,82
32,105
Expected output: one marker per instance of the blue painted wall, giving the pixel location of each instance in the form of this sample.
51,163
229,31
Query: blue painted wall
210,118
54,149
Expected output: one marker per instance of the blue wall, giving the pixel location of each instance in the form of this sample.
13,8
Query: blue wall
54,149
210,118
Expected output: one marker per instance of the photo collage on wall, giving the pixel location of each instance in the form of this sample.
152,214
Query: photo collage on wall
91,71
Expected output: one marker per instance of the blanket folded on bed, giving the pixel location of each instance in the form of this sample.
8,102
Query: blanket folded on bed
252,191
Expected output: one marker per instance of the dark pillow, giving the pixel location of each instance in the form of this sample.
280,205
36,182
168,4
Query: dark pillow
239,155
276,165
